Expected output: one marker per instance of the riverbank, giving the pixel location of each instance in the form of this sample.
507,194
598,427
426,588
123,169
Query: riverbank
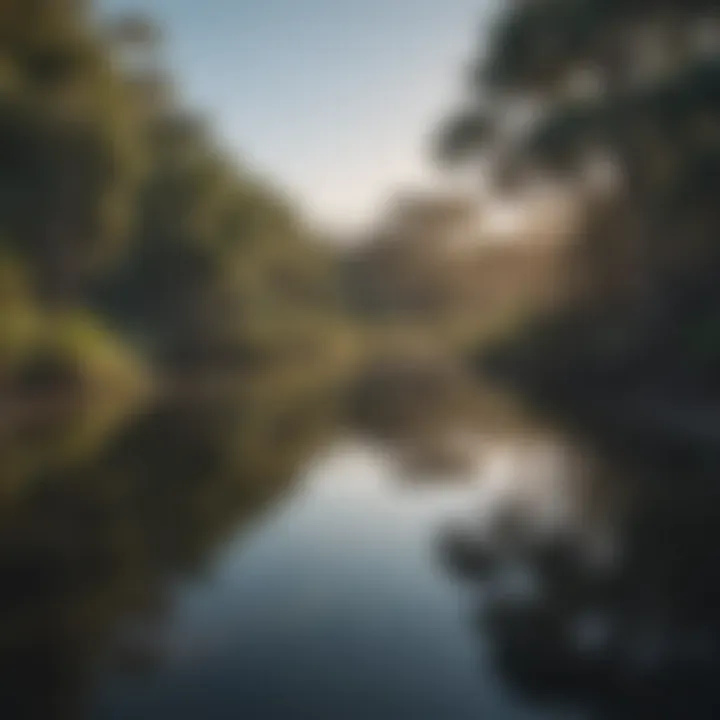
631,411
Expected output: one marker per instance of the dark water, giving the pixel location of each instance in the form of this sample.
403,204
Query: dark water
218,561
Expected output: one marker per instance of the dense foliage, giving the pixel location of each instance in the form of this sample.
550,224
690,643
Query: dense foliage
619,102
119,206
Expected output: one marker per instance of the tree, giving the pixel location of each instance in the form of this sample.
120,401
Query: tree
68,155
568,82
622,97
117,196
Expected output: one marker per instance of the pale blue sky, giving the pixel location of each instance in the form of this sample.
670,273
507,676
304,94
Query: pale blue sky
332,98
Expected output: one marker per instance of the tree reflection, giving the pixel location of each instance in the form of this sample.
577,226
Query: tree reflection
633,631
424,410
84,551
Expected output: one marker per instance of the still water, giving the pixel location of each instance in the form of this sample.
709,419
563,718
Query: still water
333,604
216,563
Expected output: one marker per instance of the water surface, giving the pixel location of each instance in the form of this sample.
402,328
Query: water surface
219,564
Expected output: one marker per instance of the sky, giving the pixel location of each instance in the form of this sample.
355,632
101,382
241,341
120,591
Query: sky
334,100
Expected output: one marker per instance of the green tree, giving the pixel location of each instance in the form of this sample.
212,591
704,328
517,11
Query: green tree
568,87
68,156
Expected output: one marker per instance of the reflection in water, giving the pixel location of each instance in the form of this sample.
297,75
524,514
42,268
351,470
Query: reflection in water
433,419
619,612
243,557
84,549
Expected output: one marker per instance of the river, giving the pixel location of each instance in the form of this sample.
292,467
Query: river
217,563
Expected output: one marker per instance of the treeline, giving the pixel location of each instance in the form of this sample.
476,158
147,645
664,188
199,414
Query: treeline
620,104
129,236
433,264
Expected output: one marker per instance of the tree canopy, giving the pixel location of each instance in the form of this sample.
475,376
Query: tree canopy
577,90
119,199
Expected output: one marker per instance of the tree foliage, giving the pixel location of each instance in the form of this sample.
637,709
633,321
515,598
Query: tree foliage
119,199
567,87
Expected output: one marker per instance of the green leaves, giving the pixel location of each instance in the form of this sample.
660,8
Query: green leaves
118,197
